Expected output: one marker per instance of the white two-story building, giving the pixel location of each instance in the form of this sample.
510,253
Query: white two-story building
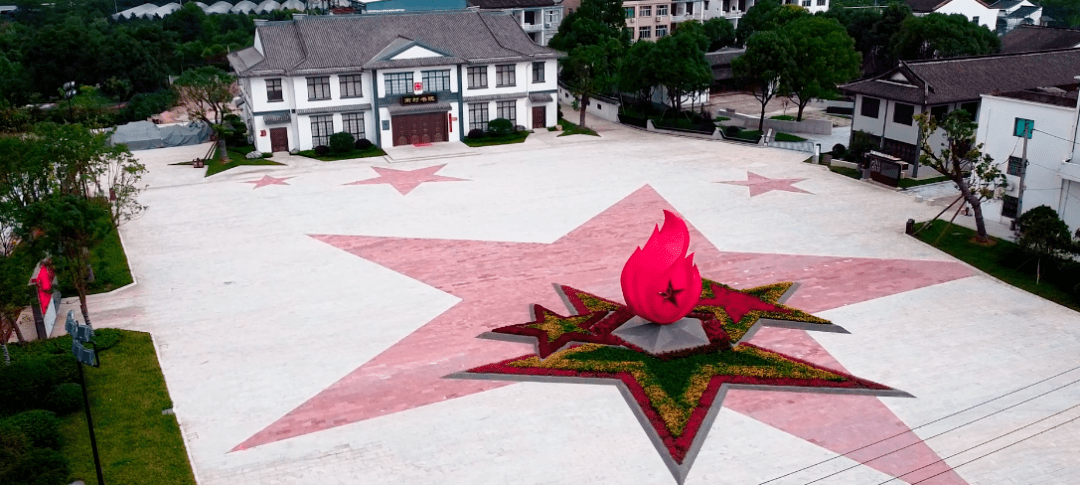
393,79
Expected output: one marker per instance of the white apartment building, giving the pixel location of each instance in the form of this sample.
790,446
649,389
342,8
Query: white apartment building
393,79
539,19
652,19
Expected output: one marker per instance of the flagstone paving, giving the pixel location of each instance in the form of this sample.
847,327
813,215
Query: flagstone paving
304,329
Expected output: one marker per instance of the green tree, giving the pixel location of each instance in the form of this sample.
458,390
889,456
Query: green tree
1042,233
824,57
638,73
872,29
592,24
936,36
14,297
769,59
591,70
1066,13
684,69
720,32
766,15
962,161
204,91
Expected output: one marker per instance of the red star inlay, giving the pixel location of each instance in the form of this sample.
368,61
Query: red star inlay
737,304
407,180
268,180
497,280
759,185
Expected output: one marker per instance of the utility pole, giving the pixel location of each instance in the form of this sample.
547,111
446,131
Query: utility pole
80,336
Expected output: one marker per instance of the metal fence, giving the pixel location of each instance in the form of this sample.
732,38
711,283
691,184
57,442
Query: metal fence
799,146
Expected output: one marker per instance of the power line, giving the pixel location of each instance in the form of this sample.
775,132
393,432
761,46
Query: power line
925,424
1055,136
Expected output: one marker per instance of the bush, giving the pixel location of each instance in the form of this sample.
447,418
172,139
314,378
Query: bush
861,143
64,399
476,134
322,150
500,127
42,428
362,144
235,130
341,142
839,150
732,131
144,105
38,467
27,381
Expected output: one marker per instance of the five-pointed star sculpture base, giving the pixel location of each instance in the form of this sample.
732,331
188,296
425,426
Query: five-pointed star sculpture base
496,279
404,181
685,333
759,184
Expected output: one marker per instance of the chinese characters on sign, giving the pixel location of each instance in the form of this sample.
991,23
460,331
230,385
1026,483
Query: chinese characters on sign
423,99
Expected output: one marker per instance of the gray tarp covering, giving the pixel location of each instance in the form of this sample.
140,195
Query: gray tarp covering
144,135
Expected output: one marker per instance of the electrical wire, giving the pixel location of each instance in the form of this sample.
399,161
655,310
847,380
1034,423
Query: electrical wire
1055,136
1074,406
925,424
923,440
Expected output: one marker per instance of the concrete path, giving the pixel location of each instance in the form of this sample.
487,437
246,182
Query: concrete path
303,324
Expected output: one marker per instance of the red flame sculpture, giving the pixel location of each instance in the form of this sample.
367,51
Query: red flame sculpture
660,283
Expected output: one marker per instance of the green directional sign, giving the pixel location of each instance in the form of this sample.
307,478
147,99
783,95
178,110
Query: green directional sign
1023,127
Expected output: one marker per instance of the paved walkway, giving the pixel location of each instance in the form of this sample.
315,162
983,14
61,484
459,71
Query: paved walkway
304,323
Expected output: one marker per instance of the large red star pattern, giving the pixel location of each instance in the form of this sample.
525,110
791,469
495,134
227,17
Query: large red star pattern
268,180
759,184
404,181
497,280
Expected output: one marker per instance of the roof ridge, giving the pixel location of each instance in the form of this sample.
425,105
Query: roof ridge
923,62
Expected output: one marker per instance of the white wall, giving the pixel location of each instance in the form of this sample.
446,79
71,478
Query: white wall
971,9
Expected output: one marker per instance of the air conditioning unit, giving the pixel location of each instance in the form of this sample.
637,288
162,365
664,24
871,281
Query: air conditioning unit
734,8
631,20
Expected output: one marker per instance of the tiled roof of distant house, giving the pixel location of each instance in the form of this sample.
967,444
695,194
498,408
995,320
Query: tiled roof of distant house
1005,4
501,4
326,44
927,6
720,61
941,81
1053,96
1030,38
1022,12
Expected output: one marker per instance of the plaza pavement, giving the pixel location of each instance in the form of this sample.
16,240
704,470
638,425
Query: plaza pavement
263,311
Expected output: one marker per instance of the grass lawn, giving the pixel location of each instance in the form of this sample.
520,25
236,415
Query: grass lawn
905,183
137,443
782,118
110,267
999,260
847,172
722,118
569,128
236,159
372,151
780,136
488,140
748,135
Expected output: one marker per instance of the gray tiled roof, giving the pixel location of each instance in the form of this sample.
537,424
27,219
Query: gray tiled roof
925,5
1029,38
501,4
723,57
325,44
1005,4
966,78
1023,12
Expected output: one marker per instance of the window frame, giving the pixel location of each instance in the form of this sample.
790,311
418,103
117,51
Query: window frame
352,84
665,32
939,112
508,70
541,69
440,75
645,11
629,12
664,12
478,71
974,112
645,32
476,112
901,116
500,106
316,84
864,111
275,82
356,117
1009,206
321,121
393,79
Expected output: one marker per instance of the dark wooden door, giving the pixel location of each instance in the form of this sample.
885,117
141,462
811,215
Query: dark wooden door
421,128
279,139
539,116
885,172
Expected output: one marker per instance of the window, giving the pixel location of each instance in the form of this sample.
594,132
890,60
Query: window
903,114
975,20
538,72
477,77
661,10
661,31
504,75
354,124
939,112
318,88
629,12
551,16
870,107
398,83
972,109
1009,205
689,9
805,3
436,81
1016,166
821,3
350,86
645,11
507,110
1023,127
321,129
478,116
273,90
706,5
644,32
530,17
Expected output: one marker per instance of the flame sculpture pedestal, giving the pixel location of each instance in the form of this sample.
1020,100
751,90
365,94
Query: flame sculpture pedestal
682,334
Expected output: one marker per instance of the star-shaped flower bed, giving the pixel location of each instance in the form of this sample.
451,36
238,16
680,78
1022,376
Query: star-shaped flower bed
676,395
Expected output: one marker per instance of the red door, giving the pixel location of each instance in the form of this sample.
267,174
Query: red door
539,116
421,128
279,139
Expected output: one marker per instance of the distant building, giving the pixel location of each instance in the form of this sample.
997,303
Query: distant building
652,19
1052,174
392,79
539,19
1014,13
400,6
1031,38
885,105
734,10
976,11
